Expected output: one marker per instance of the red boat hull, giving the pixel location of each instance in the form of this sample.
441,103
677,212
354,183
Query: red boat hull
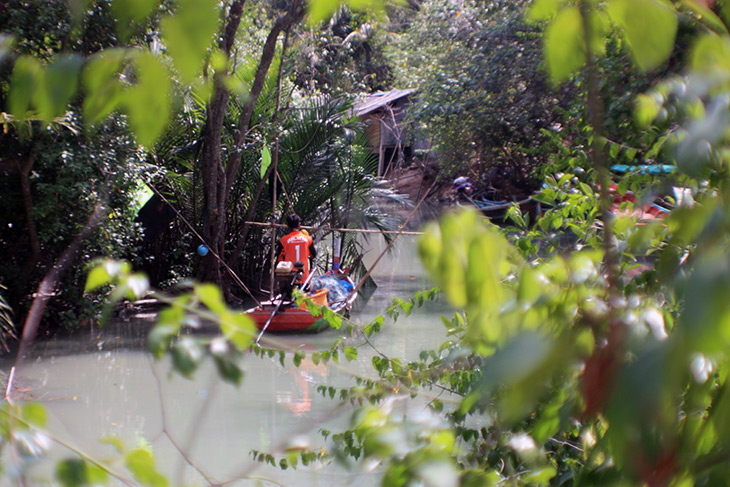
289,318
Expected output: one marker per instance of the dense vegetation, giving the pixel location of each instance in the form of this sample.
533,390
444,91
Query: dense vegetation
590,345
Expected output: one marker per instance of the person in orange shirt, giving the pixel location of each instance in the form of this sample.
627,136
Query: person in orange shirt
297,245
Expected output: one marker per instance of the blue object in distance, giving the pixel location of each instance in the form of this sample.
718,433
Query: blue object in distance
643,168
202,250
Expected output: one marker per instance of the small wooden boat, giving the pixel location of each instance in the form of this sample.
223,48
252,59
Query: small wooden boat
286,316
496,211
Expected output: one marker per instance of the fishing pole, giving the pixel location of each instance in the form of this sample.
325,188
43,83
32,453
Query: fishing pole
390,244
281,300
212,252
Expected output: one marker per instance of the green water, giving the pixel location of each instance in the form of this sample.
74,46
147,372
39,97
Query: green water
203,431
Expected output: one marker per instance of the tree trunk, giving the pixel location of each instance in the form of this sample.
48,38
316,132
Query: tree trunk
35,246
217,180
212,164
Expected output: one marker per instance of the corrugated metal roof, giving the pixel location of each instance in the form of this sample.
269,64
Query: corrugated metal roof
373,101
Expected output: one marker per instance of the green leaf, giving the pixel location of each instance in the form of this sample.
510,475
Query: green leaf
137,285
320,10
186,356
76,472
614,150
33,414
706,16
705,320
147,103
59,84
227,365
544,9
531,285
97,278
711,53
238,328
351,353
647,108
103,89
211,296
72,473
142,465
649,27
131,11
113,441
189,33
159,338
541,476
27,76
265,160
565,48
630,154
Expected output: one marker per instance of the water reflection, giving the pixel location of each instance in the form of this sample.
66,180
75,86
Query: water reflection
299,400
204,430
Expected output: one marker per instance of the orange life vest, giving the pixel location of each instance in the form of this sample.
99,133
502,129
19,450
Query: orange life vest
295,248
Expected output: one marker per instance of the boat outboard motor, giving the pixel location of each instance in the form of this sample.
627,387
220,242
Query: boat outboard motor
286,276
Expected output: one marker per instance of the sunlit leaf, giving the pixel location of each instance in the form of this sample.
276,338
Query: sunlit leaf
531,285
646,109
544,9
27,77
320,10
137,285
103,90
148,101
706,16
541,476
265,160
549,420
142,465
720,413
373,7
351,353
98,277
211,296
34,414
238,328
189,33
565,48
710,54
60,82
649,27
113,441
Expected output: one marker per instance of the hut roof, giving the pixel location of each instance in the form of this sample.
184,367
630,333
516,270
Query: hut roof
373,101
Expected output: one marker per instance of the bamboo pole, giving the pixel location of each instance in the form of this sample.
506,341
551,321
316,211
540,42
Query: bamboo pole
333,229
390,244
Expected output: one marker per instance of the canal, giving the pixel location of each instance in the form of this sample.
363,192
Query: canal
203,431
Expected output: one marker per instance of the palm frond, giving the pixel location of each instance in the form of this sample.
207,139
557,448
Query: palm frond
7,326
